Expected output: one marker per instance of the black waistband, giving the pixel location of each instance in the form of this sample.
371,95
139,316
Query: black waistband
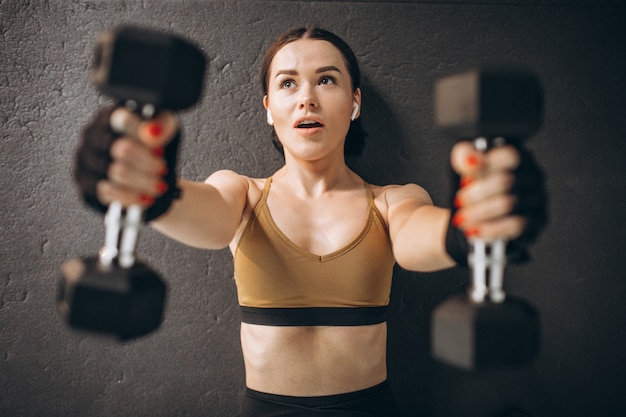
322,401
314,316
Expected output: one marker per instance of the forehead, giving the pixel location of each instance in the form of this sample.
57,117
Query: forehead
313,53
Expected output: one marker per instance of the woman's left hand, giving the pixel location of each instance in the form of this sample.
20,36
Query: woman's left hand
501,193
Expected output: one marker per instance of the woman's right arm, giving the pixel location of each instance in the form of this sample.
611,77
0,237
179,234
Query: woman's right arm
133,161
208,214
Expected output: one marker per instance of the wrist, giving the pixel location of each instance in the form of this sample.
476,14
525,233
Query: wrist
456,244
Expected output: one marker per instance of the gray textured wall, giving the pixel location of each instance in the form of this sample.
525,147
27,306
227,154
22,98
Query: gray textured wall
192,365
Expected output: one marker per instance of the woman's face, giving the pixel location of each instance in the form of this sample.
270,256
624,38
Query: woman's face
311,99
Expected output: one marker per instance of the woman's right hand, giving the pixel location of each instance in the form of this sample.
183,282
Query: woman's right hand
127,159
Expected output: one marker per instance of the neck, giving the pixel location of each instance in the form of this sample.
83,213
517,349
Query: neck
313,178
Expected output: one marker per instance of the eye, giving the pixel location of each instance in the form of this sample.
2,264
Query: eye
287,84
327,80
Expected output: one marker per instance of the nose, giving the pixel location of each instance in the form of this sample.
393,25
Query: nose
307,99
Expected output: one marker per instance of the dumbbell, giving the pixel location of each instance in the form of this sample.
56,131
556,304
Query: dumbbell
485,328
113,293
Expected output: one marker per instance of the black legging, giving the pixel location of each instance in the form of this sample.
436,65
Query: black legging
376,401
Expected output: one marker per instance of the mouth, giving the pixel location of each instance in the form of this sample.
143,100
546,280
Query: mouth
308,123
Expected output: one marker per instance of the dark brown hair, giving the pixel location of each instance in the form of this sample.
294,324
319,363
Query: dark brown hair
355,139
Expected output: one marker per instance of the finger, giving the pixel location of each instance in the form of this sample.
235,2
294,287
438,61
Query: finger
127,177
107,192
502,158
466,160
159,131
142,159
508,228
497,183
487,210
154,133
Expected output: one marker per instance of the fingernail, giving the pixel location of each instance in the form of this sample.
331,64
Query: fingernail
146,199
161,187
472,232
158,152
457,220
472,161
458,203
155,129
466,181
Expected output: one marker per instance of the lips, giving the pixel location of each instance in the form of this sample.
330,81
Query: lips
308,123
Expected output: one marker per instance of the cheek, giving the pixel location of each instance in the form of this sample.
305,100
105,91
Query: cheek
343,106
340,113
282,108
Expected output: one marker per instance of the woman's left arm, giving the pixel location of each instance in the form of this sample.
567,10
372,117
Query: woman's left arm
501,195
417,229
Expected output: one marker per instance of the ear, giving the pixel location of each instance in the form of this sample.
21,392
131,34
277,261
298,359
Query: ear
266,104
356,106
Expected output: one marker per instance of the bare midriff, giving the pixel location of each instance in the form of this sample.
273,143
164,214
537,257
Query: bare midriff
314,360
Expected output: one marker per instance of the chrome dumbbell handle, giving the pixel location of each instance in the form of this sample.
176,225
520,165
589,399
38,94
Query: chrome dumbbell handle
487,259
112,224
116,220
477,260
131,227
129,224
496,274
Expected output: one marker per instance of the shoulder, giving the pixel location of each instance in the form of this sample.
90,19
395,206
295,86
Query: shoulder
230,182
391,198
230,179
390,195
226,176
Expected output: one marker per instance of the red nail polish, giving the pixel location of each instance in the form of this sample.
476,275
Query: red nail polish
472,161
458,203
161,187
146,199
155,129
472,232
158,152
466,181
457,220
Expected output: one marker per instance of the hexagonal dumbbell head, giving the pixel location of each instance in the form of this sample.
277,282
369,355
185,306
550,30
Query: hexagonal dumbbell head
490,102
486,335
149,67
126,303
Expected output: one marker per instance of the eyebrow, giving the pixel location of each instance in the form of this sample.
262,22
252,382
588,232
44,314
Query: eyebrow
317,71
326,69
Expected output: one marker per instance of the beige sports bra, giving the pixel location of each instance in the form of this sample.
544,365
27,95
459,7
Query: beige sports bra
280,284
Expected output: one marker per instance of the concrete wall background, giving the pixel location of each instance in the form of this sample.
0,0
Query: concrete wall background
192,365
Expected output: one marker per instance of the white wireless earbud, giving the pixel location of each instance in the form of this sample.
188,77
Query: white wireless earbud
355,110
270,119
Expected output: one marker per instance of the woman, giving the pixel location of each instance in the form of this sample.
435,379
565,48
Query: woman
313,245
